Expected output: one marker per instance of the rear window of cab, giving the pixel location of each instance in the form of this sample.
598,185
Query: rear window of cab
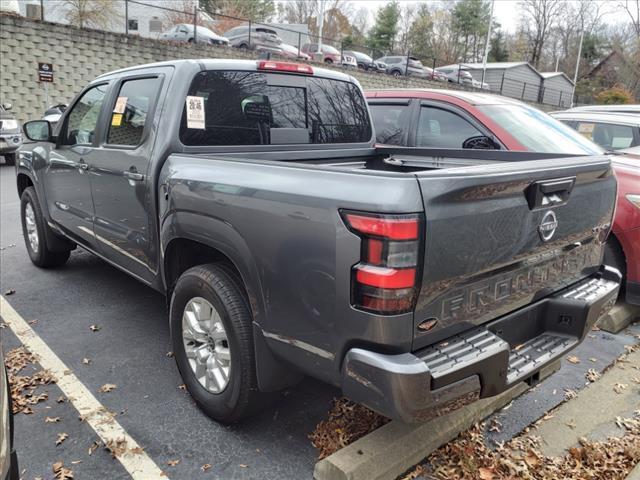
255,108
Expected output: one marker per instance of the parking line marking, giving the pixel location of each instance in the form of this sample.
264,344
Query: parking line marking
139,465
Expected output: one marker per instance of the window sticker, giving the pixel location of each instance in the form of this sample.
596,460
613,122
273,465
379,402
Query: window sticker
586,127
116,120
195,113
121,105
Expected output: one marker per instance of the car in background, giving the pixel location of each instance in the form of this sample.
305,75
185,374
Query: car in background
623,246
261,39
53,114
184,32
10,134
365,62
457,74
435,75
624,108
401,65
349,61
8,457
458,119
290,51
612,131
329,54
481,85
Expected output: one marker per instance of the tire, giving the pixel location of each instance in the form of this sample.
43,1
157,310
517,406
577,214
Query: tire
396,73
614,257
190,40
328,61
222,290
10,158
243,46
31,216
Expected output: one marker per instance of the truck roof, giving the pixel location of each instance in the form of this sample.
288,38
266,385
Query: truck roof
228,64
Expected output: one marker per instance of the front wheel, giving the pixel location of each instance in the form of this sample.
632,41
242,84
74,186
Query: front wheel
33,230
212,339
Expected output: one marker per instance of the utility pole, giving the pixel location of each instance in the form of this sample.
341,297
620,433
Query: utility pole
486,45
575,75
320,26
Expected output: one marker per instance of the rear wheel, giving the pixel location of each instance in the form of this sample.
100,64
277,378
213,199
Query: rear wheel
10,158
243,46
34,228
328,61
212,339
396,73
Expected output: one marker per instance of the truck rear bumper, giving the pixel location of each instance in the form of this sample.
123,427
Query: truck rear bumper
481,362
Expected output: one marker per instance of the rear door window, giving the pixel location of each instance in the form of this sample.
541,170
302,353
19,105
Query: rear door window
248,108
390,122
443,129
607,135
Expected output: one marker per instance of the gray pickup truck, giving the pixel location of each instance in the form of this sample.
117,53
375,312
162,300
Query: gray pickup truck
251,193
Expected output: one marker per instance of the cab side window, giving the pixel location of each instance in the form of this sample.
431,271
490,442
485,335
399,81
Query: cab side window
83,117
129,114
443,129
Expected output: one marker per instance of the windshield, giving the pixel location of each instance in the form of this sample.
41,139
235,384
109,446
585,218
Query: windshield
254,108
538,132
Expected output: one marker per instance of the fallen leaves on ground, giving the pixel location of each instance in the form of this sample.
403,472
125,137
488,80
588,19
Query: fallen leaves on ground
94,446
573,359
86,361
347,421
62,436
9,292
117,446
23,386
569,394
94,328
619,387
52,420
61,472
173,463
107,387
469,457
205,467
592,375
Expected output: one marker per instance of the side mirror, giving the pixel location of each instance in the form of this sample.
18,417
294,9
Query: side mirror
7,106
38,131
480,142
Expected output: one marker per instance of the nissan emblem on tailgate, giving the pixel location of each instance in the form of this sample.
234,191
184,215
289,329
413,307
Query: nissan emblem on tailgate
548,226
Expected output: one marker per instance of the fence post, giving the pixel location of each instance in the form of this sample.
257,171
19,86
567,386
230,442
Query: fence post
560,101
126,17
42,10
249,39
459,68
502,83
299,42
406,68
195,24
524,87
434,64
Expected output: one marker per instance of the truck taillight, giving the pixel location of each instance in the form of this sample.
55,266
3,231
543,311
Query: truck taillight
386,278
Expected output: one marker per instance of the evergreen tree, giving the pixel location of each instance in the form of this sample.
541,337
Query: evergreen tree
471,22
498,48
421,33
383,33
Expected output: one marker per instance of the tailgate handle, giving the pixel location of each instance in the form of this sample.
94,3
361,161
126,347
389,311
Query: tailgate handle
549,193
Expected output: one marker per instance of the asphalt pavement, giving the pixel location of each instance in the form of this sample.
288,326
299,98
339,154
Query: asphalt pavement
130,350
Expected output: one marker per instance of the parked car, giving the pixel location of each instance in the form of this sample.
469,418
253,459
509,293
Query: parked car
398,66
435,75
612,131
262,39
364,61
456,119
457,74
248,203
623,246
10,135
289,51
349,61
606,108
329,54
184,32
8,459
53,114
481,85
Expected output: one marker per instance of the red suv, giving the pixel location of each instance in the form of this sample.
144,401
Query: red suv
458,119
329,54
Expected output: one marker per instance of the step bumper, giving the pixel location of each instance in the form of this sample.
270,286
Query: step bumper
483,361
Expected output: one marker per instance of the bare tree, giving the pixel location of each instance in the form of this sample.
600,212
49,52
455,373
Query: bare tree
99,14
628,7
541,15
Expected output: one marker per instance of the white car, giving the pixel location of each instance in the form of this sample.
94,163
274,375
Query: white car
184,32
612,131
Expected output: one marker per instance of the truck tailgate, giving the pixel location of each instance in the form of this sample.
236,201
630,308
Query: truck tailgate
498,237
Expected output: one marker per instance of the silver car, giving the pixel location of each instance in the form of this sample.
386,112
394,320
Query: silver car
184,32
10,135
263,39
8,458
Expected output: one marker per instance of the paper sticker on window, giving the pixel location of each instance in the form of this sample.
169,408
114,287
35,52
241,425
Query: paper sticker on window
195,113
116,120
121,105
586,127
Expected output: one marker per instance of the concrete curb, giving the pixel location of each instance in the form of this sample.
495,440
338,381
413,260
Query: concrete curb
395,447
635,473
619,317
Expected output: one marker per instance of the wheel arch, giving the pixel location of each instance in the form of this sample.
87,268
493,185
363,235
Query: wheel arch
23,181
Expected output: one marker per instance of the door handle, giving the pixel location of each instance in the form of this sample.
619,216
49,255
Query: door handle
549,193
138,177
